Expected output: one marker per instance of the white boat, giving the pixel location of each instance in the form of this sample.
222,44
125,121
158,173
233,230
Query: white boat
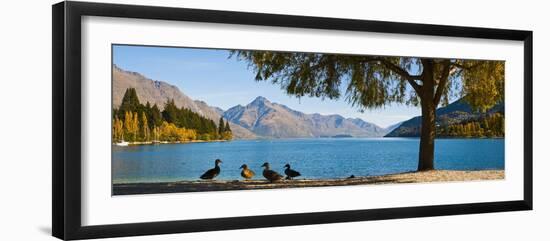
122,143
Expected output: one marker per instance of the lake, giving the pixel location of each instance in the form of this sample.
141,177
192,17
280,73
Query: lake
314,158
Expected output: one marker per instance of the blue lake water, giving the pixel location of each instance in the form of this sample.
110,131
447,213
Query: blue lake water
314,158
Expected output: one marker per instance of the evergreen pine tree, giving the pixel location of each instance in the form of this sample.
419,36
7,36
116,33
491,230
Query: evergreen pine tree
221,126
170,113
227,128
156,116
130,102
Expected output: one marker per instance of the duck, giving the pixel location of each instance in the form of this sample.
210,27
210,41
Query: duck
271,175
247,173
212,173
290,173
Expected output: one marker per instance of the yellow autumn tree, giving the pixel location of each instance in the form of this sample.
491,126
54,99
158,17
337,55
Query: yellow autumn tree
128,125
156,133
131,126
170,132
135,126
145,132
118,130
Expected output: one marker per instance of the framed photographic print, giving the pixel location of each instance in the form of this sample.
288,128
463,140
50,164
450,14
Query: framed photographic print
170,120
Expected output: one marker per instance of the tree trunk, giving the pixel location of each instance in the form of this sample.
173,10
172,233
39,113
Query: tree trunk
428,104
427,137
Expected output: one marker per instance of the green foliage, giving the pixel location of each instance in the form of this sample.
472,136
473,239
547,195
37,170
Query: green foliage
227,128
224,131
186,118
171,112
221,126
375,81
226,135
156,116
483,82
130,102
136,122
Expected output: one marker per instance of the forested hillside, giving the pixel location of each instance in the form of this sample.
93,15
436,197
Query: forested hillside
458,119
136,122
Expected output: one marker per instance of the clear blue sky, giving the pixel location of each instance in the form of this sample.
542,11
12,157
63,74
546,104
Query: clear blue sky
209,75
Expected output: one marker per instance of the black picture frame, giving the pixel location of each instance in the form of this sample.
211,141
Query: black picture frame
66,127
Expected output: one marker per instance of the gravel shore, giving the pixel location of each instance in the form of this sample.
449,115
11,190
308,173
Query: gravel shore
217,185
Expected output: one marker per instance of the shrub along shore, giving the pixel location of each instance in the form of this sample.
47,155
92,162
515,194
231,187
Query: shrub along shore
223,185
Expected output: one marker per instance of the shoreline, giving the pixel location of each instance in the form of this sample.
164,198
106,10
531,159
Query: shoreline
227,185
312,138
136,143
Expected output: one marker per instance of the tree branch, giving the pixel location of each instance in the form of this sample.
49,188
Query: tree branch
403,73
442,82
399,70
415,85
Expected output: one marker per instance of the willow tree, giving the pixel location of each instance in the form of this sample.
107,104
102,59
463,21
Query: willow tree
370,82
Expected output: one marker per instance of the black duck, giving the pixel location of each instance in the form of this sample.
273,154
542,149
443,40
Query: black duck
290,173
212,173
271,175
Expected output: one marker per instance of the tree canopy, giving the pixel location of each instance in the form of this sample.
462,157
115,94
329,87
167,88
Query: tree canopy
375,81
369,82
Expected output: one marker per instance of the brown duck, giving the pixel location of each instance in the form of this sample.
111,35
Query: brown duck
247,173
271,175
290,173
210,174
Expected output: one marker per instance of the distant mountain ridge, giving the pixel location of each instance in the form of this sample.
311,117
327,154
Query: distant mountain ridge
268,119
393,127
454,113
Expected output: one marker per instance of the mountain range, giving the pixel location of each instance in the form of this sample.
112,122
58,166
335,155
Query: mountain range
260,118
269,119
